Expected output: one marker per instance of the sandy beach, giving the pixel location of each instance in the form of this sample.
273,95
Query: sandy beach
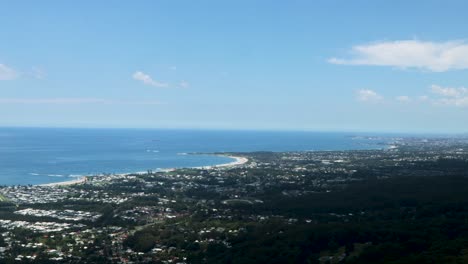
65,183
238,161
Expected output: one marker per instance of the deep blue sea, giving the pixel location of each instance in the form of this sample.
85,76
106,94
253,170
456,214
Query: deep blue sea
44,155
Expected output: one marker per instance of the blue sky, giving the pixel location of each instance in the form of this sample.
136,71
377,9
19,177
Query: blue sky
396,66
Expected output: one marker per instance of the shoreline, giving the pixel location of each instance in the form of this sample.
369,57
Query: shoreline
236,162
64,183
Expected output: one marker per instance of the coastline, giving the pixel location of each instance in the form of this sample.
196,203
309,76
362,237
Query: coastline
237,161
64,183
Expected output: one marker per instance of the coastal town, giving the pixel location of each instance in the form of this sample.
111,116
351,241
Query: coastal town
208,214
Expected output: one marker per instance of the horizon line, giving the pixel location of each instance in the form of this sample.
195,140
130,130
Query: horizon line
241,129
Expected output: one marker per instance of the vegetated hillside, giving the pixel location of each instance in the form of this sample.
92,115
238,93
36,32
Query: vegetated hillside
398,220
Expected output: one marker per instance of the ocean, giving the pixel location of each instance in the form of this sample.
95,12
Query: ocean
46,155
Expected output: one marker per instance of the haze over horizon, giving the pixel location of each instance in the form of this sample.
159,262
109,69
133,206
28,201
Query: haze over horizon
259,65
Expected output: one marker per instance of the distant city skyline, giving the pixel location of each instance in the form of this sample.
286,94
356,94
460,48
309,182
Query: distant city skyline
380,66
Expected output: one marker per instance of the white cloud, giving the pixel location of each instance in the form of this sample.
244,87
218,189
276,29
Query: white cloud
460,102
423,98
432,56
450,95
403,99
7,73
449,91
73,101
51,100
369,96
439,96
146,79
184,84
139,102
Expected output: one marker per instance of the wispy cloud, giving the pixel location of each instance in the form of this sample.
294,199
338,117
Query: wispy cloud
437,96
74,101
423,98
459,102
368,96
450,96
449,91
146,79
139,102
184,84
51,100
403,99
432,56
7,73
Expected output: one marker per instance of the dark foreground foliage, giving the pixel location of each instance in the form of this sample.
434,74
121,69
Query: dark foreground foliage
399,220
